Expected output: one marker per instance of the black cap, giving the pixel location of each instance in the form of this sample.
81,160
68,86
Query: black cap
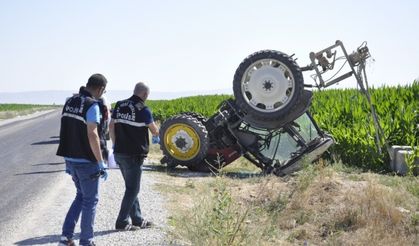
96,80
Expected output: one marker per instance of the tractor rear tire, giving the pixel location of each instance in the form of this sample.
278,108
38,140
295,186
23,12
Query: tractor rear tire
267,85
184,140
199,117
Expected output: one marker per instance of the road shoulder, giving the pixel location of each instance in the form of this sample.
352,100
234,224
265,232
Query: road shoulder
26,117
40,221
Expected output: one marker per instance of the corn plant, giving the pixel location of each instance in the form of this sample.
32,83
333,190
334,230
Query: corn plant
346,115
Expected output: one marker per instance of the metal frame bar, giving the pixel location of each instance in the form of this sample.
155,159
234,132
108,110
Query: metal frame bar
314,65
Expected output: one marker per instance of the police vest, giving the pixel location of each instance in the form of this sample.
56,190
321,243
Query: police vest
103,129
103,125
131,131
74,142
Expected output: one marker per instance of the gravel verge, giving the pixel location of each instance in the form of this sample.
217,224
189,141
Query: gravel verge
41,220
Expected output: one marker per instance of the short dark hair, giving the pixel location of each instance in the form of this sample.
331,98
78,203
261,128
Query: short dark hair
97,80
82,88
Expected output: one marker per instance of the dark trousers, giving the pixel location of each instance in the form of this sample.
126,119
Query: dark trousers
131,169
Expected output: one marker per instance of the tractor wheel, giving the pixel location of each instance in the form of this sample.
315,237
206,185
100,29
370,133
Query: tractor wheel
184,140
267,84
197,116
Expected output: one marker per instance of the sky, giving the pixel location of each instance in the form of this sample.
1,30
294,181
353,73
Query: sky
187,45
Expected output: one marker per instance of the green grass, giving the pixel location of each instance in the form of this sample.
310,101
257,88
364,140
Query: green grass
10,110
20,107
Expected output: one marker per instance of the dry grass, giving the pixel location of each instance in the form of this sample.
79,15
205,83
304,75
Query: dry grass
337,211
8,114
241,165
320,205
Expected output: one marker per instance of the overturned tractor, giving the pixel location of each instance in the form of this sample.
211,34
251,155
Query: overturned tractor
267,122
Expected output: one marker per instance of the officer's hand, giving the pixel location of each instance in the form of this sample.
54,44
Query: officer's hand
102,170
155,139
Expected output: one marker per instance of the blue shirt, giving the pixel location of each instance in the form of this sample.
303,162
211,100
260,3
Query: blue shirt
148,117
93,116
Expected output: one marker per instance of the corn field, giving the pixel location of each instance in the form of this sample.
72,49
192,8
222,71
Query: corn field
204,105
346,115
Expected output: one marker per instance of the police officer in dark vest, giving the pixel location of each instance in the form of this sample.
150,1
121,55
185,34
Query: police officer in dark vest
103,126
80,147
129,130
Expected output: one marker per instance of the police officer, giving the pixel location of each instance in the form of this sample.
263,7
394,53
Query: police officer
80,147
104,127
131,120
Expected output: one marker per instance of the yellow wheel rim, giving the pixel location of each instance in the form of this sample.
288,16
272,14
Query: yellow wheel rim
182,141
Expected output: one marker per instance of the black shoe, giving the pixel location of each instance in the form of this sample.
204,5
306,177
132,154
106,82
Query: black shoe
144,224
65,241
128,227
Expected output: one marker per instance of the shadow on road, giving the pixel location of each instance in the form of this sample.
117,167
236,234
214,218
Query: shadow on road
186,173
49,164
55,238
55,141
39,172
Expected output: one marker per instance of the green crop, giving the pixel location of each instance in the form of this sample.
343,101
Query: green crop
20,107
346,115
204,105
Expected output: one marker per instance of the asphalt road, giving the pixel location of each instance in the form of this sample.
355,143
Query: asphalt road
35,192
28,162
